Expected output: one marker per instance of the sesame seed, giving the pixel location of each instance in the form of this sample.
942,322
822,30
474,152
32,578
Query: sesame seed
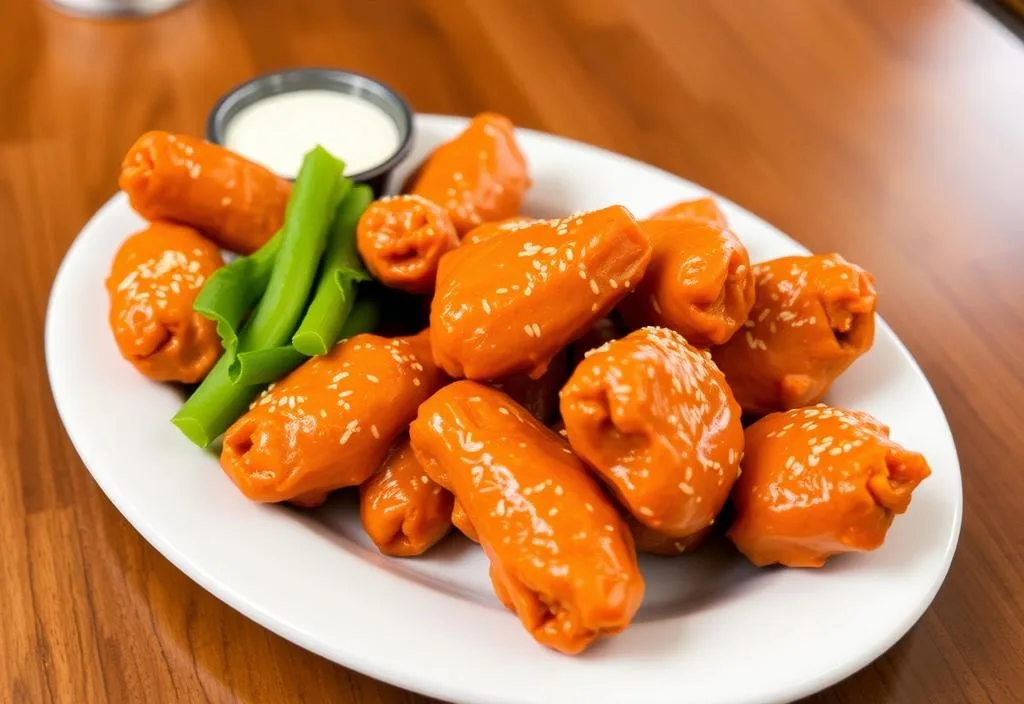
374,432
594,287
372,379
646,511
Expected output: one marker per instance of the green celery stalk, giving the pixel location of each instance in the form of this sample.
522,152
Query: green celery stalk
340,271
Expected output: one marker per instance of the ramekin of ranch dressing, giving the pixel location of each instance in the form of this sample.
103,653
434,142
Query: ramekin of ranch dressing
275,119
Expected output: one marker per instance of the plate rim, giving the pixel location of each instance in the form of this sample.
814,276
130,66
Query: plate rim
454,689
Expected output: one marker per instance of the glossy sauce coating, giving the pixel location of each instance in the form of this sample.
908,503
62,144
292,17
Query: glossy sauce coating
817,482
561,557
511,303
479,176
489,230
538,396
699,210
402,510
699,282
812,317
460,519
654,542
330,423
401,240
655,419
233,201
154,279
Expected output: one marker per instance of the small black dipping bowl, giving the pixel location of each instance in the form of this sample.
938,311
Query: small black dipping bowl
348,82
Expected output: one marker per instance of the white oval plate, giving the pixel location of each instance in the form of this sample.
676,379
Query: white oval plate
713,628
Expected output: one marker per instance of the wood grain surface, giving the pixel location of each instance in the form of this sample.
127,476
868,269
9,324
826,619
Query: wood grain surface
892,130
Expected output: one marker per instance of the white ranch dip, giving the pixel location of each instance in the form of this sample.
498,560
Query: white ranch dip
278,130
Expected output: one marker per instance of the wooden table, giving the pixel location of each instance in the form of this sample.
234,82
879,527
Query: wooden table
892,130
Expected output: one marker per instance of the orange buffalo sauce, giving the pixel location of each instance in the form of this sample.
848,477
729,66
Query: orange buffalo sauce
401,240
402,510
511,303
235,202
817,482
699,282
478,176
703,210
654,418
330,423
561,557
812,317
155,277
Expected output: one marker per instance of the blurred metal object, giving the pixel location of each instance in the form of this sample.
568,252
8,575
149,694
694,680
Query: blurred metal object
114,8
